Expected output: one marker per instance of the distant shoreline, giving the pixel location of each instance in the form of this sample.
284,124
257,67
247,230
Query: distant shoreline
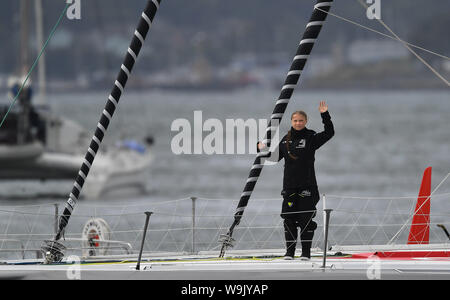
320,86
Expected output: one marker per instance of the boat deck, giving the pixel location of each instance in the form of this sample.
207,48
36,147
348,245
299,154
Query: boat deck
241,266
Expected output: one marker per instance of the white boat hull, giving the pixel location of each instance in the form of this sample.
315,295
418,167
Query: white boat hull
113,170
255,265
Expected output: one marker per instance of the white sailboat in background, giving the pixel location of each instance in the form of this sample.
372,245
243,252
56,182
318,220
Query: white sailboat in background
36,144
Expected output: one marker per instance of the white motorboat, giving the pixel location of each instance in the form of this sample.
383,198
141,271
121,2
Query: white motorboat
36,144
60,155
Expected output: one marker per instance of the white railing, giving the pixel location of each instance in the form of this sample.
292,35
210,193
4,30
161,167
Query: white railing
191,225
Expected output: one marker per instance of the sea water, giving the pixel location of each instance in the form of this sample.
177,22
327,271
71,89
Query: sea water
384,140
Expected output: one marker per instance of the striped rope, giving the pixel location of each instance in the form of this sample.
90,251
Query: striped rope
111,105
305,47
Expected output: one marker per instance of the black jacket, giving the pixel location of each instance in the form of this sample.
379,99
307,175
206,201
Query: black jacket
299,173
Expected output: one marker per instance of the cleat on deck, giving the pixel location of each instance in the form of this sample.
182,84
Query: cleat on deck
52,251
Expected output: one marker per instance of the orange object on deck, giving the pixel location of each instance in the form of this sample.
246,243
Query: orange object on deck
420,226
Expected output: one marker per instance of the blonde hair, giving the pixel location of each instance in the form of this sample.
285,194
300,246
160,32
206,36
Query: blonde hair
288,138
299,112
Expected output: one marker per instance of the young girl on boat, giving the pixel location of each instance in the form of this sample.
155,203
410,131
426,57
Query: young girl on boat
300,191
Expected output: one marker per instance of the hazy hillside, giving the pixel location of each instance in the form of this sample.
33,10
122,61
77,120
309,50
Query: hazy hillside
215,29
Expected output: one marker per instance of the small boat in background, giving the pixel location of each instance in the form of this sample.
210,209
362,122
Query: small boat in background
36,144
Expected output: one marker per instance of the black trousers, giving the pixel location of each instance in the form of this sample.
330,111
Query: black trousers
298,211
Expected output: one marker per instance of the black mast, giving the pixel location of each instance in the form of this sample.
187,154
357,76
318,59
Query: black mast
53,249
304,49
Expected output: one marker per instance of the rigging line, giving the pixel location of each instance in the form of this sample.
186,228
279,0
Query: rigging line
384,34
35,62
418,209
409,48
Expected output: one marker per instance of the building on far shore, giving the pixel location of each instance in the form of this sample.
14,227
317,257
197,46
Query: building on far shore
373,51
